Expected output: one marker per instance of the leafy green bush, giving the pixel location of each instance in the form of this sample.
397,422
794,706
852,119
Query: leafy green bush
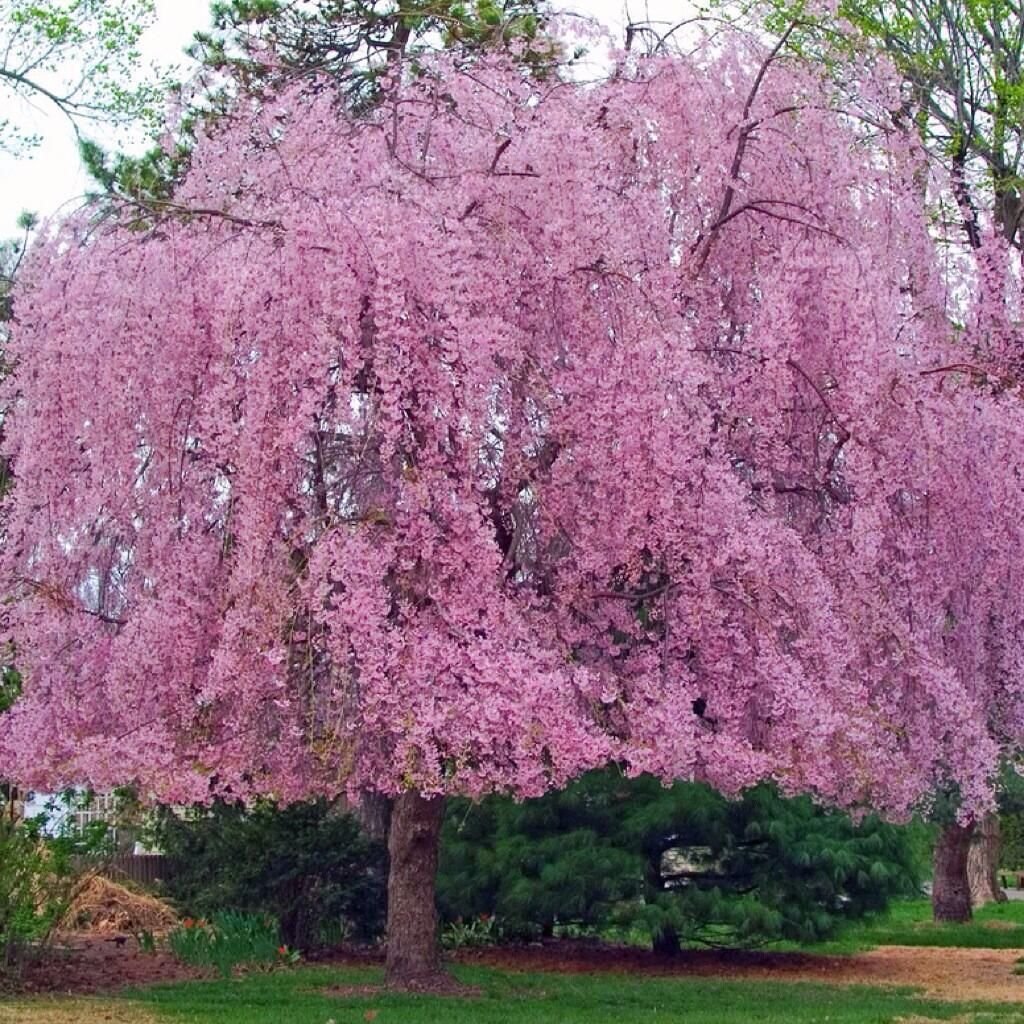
39,877
28,913
227,940
306,865
682,864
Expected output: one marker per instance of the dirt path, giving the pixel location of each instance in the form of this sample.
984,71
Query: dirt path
77,1011
985,975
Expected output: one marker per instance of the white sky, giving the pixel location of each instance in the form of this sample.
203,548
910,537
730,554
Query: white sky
50,175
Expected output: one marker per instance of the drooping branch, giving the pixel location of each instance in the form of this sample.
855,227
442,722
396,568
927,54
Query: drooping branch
746,130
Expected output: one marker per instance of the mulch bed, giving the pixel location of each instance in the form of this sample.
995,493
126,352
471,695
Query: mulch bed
985,975
95,964
86,965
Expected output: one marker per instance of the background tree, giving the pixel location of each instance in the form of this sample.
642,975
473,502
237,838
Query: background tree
12,252
962,93
10,690
964,63
1011,809
683,428
268,44
79,57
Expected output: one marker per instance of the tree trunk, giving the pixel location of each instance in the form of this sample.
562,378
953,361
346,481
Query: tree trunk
951,892
666,942
414,955
983,863
373,812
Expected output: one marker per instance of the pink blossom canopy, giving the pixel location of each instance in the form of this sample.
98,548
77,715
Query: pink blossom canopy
519,427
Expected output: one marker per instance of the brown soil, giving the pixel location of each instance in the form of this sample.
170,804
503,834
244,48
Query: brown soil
83,965
954,974
96,964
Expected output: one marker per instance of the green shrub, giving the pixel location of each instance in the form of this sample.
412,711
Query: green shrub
39,873
306,865
227,940
39,876
681,864
28,910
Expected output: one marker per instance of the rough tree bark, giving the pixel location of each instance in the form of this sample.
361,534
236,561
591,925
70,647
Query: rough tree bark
951,893
373,812
983,863
414,955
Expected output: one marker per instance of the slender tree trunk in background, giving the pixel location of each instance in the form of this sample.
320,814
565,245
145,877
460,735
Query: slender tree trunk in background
951,891
983,863
414,954
373,812
666,942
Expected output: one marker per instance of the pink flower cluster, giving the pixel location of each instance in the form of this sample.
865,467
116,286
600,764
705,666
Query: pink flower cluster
520,427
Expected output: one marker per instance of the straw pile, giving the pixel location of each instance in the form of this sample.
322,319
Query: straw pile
103,906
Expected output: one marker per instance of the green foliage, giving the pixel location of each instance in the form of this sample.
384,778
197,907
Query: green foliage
355,40
1011,818
39,876
30,905
306,865
10,686
1012,828
556,859
148,179
227,940
683,864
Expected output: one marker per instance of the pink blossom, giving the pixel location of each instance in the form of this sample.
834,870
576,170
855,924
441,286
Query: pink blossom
483,441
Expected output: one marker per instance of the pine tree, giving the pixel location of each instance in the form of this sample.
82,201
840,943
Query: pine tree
682,863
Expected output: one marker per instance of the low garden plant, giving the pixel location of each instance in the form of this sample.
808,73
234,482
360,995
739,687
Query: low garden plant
482,930
228,940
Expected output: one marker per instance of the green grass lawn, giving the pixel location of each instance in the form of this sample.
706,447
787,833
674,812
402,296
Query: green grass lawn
296,997
909,923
